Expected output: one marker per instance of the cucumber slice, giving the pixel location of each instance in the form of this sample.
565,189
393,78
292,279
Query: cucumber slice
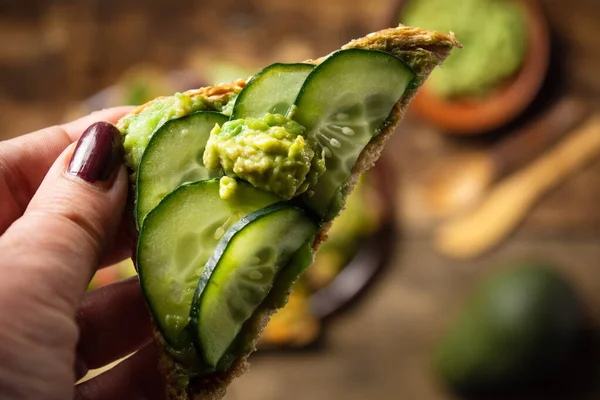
272,90
241,272
178,237
244,342
343,104
173,157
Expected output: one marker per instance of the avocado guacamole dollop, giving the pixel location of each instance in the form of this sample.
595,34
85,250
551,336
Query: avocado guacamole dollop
494,36
268,152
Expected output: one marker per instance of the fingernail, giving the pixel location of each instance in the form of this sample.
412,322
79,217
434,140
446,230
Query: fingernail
98,153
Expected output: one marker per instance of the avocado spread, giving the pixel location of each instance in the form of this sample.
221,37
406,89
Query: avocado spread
227,109
268,152
494,36
139,128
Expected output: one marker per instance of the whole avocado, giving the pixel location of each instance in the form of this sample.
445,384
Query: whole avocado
517,327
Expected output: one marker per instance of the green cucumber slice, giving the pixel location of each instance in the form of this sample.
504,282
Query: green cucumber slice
343,104
272,90
277,298
241,273
176,240
173,157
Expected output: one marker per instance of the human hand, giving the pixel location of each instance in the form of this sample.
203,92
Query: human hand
61,218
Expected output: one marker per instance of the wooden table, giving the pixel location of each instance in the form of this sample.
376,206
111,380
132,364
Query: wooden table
60,52
382,349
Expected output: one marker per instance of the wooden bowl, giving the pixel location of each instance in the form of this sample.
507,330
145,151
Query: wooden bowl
469,116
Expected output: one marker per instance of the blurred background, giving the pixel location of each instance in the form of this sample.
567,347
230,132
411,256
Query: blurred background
467,264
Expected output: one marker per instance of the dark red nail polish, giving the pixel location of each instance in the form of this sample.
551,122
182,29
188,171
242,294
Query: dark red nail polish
97,154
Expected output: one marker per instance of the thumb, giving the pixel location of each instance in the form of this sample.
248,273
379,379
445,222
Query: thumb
59,241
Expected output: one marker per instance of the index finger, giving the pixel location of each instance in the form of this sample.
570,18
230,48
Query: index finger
25,160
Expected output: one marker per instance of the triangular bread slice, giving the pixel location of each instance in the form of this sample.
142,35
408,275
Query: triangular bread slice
422,51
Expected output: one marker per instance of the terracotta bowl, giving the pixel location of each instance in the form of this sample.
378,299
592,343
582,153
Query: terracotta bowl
467,116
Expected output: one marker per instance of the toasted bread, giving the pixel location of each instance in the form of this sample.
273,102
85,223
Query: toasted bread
422,51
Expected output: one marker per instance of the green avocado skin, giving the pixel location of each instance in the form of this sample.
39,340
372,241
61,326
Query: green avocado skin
517,327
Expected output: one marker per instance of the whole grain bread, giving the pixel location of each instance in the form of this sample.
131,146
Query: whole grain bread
422,50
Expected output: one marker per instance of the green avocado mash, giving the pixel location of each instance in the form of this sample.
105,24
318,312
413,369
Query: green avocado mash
494,36
139,128
268,152
228,108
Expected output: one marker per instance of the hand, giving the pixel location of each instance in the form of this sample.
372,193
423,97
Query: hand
61,218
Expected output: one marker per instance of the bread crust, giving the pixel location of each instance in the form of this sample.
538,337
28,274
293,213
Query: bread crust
422,50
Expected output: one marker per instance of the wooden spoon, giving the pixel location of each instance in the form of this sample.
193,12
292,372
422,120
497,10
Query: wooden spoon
505,207
461,181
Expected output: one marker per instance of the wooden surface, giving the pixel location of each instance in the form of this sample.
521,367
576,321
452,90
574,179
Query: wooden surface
382,350
62,51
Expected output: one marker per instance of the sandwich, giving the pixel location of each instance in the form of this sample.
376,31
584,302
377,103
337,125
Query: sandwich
236,185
